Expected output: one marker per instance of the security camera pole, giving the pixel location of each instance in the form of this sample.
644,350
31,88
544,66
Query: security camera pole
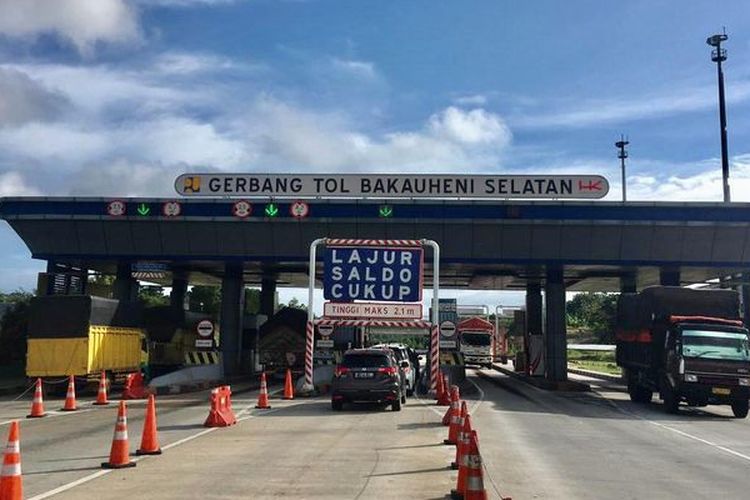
719,55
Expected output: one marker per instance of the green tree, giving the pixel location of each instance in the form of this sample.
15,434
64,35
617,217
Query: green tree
14,327
294,302
594,313
207,299
252,300
152,296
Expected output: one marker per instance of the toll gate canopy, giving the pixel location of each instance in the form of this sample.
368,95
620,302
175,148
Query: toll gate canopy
485,245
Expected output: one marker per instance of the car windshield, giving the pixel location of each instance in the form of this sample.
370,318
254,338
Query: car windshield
475,338
365,360
713,344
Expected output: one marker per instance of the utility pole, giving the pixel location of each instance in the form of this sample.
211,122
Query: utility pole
622,155
719,55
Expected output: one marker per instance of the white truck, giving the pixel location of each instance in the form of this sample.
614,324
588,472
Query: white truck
475,337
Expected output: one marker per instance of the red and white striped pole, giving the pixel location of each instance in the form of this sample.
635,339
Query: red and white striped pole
434,358
309,339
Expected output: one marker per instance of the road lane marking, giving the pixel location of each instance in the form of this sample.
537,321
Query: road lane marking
98,474
674,430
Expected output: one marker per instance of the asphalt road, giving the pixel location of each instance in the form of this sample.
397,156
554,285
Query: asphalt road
534,444
538,444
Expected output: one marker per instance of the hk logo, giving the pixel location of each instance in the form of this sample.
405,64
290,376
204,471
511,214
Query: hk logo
590,186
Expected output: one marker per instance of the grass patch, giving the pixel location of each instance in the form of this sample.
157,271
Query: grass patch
598,361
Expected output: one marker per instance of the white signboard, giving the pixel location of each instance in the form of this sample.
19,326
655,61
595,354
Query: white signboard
205,328
448,344
325,330
372,310
204,343
393,186
447,329
325,343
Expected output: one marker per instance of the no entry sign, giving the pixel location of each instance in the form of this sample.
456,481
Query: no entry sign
378,274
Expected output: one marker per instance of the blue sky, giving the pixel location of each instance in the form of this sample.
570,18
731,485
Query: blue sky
117,97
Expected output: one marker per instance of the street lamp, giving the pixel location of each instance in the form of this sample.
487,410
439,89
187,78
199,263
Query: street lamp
622,155
719,55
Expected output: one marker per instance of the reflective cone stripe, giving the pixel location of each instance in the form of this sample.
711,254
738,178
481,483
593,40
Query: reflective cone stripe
288,386
101,396
120,451
37,405
455,423
70,396
462,435
474,474
150,438
263,396
11,485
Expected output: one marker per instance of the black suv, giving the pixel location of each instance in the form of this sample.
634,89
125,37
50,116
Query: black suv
368,375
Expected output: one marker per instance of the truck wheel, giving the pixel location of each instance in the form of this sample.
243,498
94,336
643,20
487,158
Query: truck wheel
640,394
740,408
671,400
396,405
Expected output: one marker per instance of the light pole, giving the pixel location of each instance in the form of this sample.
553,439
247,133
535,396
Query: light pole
622,155
719,55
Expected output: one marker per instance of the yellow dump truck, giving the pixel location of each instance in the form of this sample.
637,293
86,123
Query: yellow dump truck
83,335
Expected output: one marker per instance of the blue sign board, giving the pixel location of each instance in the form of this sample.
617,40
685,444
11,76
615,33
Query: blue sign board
373,274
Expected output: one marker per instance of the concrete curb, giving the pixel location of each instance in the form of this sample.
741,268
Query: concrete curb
597,375
567,386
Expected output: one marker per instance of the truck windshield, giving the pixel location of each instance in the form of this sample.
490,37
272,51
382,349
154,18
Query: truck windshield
478,339
711,344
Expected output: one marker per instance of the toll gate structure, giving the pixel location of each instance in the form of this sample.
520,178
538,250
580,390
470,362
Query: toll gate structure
543,247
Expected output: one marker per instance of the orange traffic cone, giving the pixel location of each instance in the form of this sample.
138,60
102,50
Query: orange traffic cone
463,435
263,396
453,409
288,387
70,396
455,426
11,483
101,396
37,405
445,397
149,438
474,473
439,388
119,453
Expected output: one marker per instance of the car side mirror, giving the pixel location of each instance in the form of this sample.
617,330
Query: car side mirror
404,364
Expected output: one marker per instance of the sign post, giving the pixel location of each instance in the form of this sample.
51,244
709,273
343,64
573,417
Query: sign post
380,270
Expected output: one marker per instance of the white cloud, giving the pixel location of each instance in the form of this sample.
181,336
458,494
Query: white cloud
82,23
14,184
182,3
23,99
472,127
592,112
185,63
471,100
358,69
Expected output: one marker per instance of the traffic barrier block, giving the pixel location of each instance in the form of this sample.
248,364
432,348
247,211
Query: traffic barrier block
11,482
221,413
134,388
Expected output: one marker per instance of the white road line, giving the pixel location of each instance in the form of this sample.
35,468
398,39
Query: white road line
672,429
52,413
95,475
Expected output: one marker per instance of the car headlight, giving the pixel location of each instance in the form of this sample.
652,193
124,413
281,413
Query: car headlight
689,377
744,381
